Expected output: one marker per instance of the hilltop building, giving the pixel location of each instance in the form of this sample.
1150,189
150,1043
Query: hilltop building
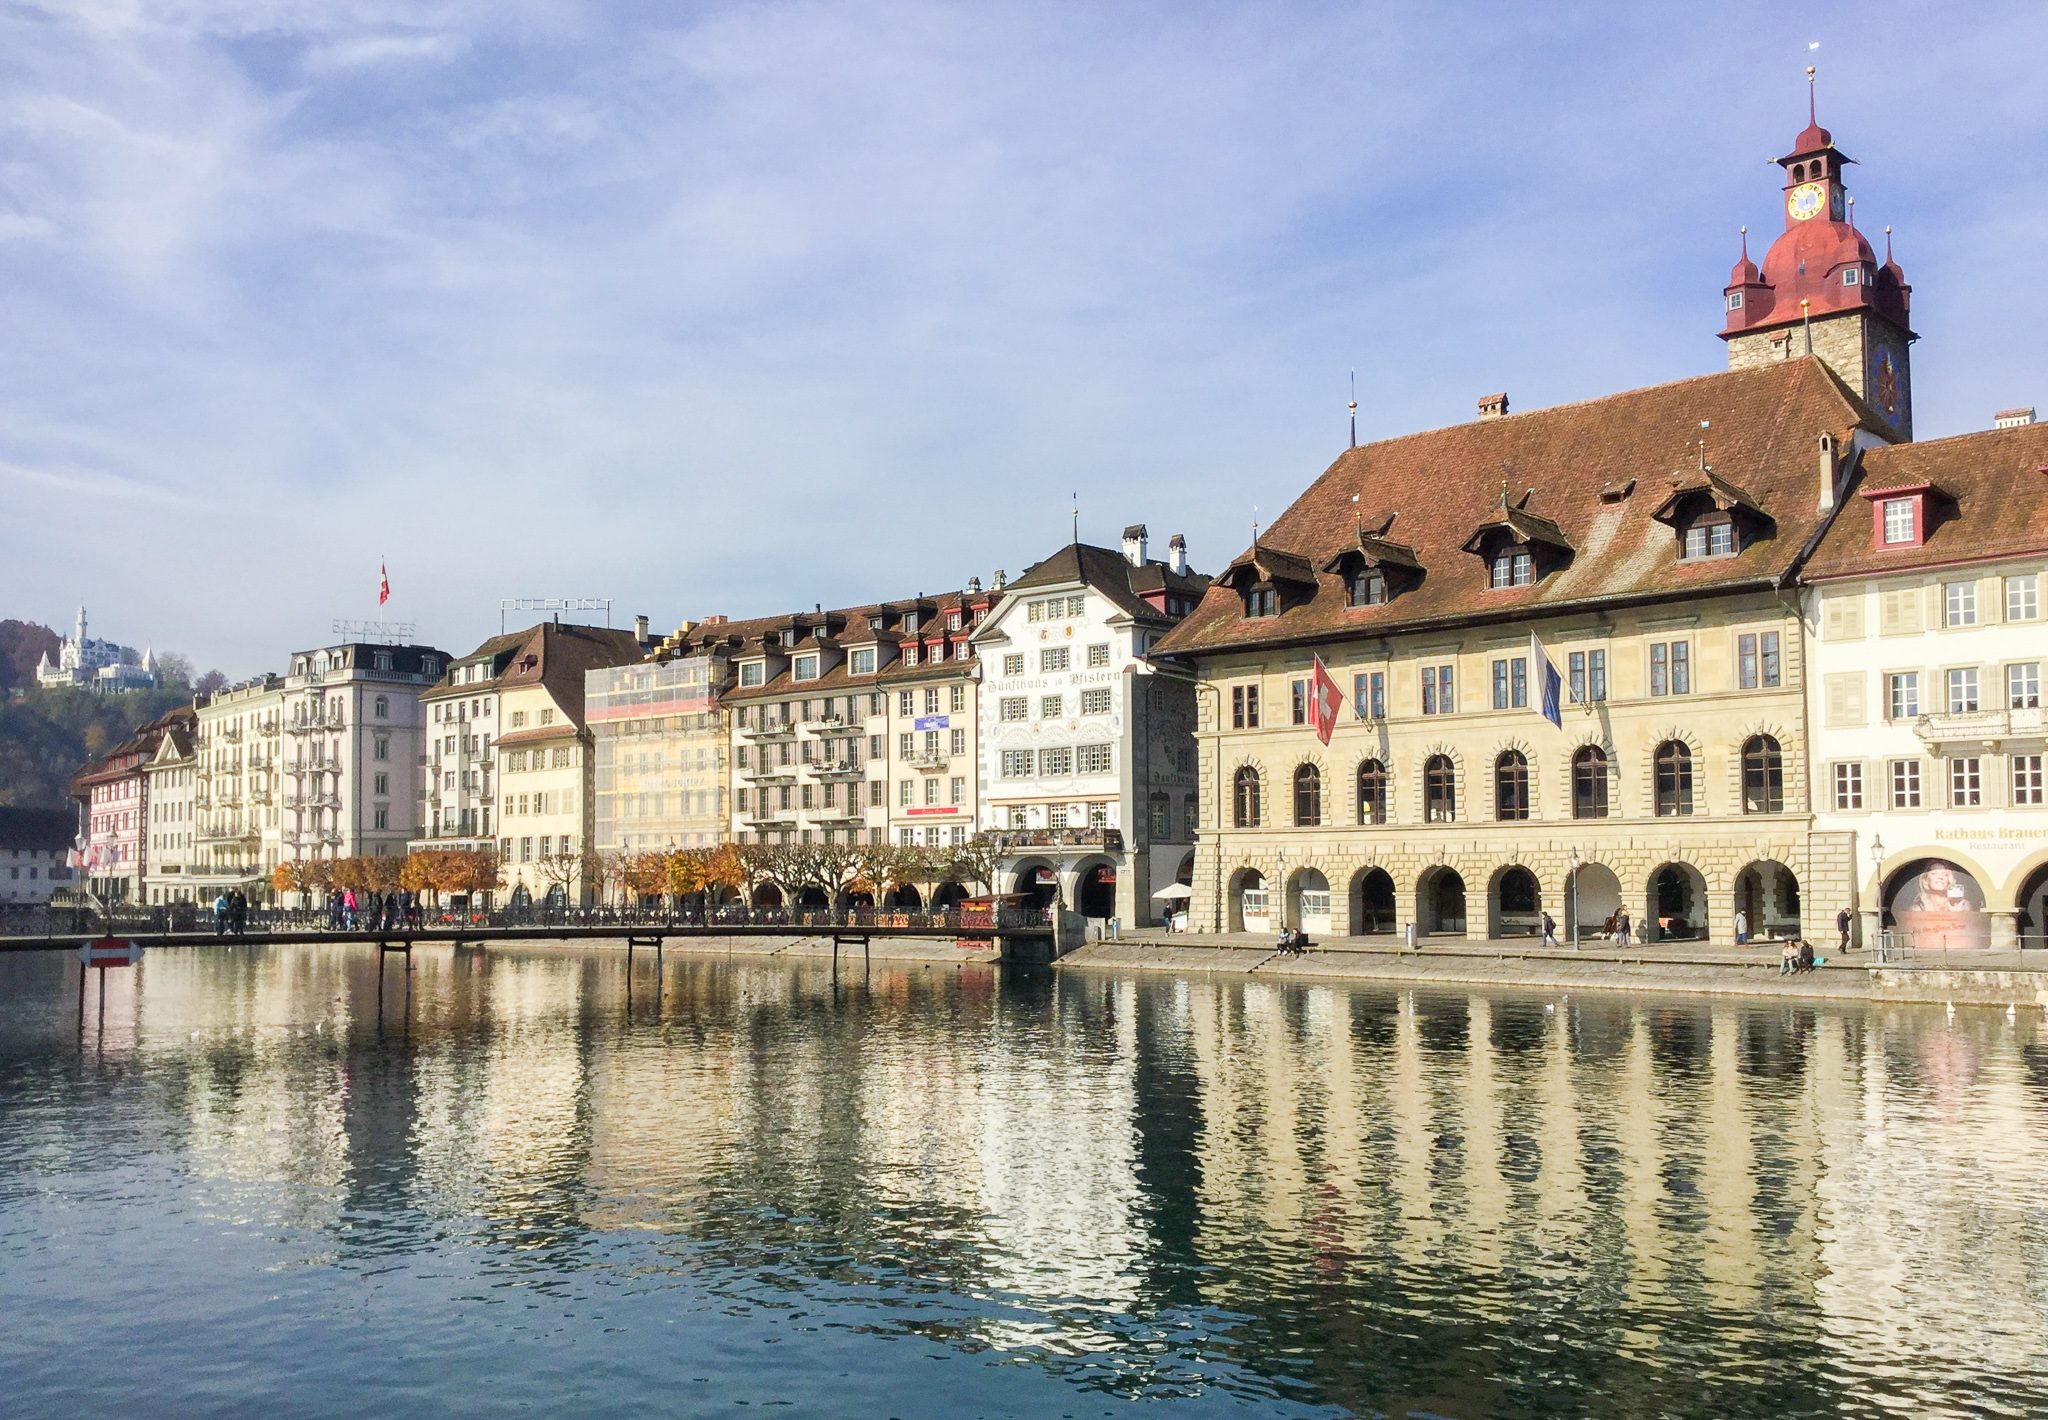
102,666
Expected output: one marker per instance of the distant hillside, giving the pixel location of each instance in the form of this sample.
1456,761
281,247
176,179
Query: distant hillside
46,736
23,644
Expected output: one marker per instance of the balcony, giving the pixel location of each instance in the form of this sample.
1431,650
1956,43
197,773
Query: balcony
848,770
1981,727
835,726
231,736
259,796
839,816
928,761
773,730
1111,839
824,723
772,818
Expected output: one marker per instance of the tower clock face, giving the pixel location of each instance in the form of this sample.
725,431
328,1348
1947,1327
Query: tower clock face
1809,199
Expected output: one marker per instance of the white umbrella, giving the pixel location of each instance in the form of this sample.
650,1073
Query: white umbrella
1175,890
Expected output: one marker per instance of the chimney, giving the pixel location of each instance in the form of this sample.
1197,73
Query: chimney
2012,418
640,629
1177,554
1828,471
1134,544
973,584
1493,406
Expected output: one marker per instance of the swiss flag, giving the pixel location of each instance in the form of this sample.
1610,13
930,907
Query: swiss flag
383,585
1325,700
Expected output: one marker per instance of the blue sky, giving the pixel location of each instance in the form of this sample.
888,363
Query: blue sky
741,308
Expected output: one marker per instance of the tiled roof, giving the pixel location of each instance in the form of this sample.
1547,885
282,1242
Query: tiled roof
556,655
1442,485
36,830
1991,501
1111,573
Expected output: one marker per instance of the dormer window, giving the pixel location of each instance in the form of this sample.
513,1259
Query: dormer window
1903,516
1261,601
861,661
952,621
1734,300
875,623
804,668
1898,521
1512,567
789,637
1709,535
1369,587
1852,276
753,672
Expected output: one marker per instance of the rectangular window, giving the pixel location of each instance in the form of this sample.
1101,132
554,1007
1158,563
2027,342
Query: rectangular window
1016,764
1660,668
904,790
1051,707
1013,664
1053,658
1098,656
861,660
906,745
1902,695
1014,707
956,789
931,700
806,668
2026,779
1898,520
1511,683
2023,597
1965,782
1438,698
1369,695
876,787
1962,691
1095,702
931,793
1244,707
1905,783
956,742
1960,602
1297,702
2023,686
1756,660
1055,761
751,673
1514,568
1094,759
1848,786
956,699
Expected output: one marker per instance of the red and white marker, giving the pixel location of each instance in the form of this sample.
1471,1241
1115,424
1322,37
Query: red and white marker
110,951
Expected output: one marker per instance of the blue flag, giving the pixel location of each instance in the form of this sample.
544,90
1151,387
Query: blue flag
1549,684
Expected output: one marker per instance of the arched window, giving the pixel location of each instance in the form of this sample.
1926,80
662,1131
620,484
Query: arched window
1308,796
1245,797
1440,789
1511,785
1368,587
1589,782
1763,776
1674,779
1372,792
383,707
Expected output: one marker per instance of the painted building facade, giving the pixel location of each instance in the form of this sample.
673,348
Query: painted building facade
1924,612
1087,753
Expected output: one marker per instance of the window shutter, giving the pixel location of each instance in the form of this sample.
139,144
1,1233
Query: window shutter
1899,614
1845,699
1842,617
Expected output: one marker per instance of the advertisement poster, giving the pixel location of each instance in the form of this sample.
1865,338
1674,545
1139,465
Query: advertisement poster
1937,907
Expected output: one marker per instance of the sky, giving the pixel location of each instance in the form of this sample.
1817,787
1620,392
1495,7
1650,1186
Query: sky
742,308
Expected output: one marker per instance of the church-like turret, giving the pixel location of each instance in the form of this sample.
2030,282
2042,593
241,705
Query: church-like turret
1821,289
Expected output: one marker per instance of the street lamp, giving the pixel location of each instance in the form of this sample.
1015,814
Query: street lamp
1572,900
1877,881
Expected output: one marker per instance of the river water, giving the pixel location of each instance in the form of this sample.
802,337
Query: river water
532,1184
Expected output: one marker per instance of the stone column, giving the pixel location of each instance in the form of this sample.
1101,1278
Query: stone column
2005,929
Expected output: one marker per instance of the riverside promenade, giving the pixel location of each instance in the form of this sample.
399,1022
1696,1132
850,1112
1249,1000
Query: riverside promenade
1703,968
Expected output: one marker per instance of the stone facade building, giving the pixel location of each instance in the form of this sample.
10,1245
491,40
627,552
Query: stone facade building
239,757
353,729
1924,612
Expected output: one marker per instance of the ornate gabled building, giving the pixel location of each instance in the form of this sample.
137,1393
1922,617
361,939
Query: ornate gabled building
1651,543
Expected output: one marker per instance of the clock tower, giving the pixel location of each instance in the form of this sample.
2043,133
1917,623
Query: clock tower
1821,289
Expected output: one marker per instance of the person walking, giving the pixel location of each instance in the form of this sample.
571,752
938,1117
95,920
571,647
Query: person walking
1624,930
1549,930
1842,930
1741,928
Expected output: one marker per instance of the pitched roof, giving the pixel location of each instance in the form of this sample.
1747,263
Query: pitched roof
555,655
1111,573
1993,494
1444,484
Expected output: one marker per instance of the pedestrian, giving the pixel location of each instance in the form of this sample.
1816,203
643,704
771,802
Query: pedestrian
220,914
348,909
1623,929
238,911
1842,930
1549,930
1741,928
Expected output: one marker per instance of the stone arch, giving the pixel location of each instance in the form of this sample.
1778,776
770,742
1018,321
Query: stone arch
2029,893
1875,883
1373,905
1934,903
1460,780
1324,790
1307,903
1440,901
1231,802
1532,759
1766,893
1592,896
1675,903
1237,917
1789,758
1514,902
1091,886
1025,878
2010,893
1611,774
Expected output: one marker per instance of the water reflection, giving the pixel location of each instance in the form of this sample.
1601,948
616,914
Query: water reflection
1237,1194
